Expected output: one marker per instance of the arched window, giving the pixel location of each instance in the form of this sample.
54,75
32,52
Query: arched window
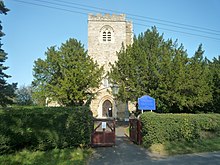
107,33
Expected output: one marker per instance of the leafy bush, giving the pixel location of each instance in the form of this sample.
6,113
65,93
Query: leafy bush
159,128
44,128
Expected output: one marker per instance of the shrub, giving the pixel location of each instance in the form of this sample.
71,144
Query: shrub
44,128
159,128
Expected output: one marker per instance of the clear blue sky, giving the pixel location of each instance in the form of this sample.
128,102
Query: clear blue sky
30,28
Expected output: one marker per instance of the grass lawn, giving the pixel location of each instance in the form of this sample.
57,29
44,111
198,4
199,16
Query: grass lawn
173,148
53,157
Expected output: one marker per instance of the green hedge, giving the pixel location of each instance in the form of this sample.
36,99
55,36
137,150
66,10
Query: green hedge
159,128
44,128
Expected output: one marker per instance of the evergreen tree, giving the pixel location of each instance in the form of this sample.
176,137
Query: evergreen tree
6,90
169,66
198,90
67,75
179,79
215,68
135,65
162,70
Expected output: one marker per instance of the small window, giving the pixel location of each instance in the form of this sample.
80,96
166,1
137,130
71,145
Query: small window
109,36
104,36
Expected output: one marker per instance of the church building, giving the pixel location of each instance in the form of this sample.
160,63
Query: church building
106,33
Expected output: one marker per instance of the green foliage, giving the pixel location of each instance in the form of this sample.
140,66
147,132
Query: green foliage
44,128
162,70
215,68
6,90
161,128
67,75
24,95
135,66
77,156
3,9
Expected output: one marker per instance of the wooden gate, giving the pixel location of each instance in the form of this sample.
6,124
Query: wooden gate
135,131
103,133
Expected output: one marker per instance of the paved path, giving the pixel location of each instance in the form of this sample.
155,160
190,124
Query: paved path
127,153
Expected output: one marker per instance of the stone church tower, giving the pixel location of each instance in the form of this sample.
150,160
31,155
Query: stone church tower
106,33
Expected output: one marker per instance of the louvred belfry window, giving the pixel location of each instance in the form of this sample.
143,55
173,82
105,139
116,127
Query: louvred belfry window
104,36
107,34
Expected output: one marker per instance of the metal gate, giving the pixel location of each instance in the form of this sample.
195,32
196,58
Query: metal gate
135,131
103,133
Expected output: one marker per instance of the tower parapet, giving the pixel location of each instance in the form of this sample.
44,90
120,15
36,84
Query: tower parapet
106,17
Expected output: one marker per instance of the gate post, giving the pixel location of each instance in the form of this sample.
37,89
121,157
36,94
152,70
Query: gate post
135,131
139,132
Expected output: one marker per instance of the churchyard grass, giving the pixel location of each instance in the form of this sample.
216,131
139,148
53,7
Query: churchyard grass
186,147
77,156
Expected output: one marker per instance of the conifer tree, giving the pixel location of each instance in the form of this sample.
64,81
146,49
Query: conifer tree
7,91
135,65
162,70
198,90
215,71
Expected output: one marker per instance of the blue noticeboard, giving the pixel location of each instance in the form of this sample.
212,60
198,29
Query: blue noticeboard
146,103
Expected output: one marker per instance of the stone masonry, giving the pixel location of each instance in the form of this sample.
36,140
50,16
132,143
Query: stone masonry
106,33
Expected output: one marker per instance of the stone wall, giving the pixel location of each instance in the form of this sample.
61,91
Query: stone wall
103,50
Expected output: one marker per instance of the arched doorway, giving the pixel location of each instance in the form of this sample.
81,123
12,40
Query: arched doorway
107,109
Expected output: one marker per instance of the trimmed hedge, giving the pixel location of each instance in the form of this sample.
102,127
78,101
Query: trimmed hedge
159,128
44,128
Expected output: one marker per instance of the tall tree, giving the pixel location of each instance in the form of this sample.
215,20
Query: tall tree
6,90
162,70
135,65
24,95
215,68
67,75
198,90
170,65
